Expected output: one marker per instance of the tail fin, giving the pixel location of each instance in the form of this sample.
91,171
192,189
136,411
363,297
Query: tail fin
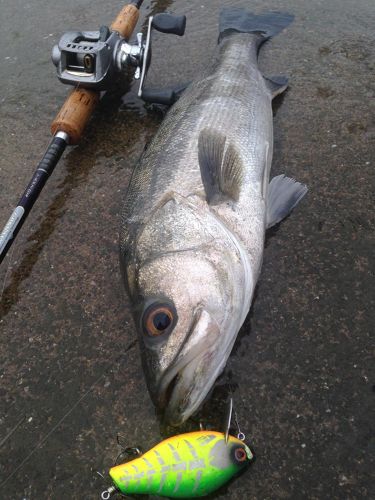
265,25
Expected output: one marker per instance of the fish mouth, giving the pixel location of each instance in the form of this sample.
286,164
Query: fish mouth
176,388
186,383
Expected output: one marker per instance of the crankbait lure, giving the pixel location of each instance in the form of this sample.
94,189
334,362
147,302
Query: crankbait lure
185,466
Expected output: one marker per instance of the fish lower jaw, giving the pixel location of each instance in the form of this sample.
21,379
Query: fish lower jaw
187,391
174,395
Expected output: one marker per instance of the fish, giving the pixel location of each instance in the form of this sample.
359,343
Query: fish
189,465
195,215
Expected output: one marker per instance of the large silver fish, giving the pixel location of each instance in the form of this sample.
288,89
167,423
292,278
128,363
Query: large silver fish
196,211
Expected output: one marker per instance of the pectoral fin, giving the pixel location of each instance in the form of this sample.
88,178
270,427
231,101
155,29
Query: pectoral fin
220,165
284,194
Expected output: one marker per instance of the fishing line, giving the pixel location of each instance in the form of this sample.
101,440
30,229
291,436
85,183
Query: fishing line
12,431
45,438
64,417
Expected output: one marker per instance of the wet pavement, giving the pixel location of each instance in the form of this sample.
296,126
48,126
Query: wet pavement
302,371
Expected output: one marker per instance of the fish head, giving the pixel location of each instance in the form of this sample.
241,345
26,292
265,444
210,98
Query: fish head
181,331
188,306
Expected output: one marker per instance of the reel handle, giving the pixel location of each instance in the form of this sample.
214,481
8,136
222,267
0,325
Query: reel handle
80,104
165,23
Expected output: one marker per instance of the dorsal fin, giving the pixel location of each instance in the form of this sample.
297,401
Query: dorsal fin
221,167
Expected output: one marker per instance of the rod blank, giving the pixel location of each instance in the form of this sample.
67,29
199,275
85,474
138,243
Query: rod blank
31,193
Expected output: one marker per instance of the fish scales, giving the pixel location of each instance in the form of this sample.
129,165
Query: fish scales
195,215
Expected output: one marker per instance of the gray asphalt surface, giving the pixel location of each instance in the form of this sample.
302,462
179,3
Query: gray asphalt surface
302,370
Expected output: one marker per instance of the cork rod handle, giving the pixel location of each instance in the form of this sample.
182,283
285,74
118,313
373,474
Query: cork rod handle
126,21
80,104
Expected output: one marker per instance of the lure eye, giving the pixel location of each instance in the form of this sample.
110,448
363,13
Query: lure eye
240,455
159,319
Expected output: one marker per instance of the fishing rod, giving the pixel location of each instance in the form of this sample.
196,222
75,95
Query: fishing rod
91,61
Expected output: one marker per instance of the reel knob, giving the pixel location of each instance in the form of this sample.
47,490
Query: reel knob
166,96
169,24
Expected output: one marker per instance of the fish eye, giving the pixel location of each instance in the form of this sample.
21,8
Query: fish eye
158,319
239,454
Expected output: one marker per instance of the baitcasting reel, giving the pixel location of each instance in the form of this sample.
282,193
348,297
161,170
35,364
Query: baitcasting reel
91,59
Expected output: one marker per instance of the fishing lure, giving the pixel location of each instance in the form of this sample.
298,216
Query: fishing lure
189,465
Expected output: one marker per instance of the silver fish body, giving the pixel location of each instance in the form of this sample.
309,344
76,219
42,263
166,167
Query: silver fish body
194,224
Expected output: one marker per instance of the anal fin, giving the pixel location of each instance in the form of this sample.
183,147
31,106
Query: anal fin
284,194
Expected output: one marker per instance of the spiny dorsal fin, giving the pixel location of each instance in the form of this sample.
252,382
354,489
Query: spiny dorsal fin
221,166
276,84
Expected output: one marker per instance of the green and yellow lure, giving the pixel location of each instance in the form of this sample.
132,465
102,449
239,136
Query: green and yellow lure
185,466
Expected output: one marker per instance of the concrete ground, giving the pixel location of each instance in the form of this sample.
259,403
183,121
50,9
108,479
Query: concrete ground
302,370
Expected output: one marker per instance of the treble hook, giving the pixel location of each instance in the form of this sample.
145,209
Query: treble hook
126,450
